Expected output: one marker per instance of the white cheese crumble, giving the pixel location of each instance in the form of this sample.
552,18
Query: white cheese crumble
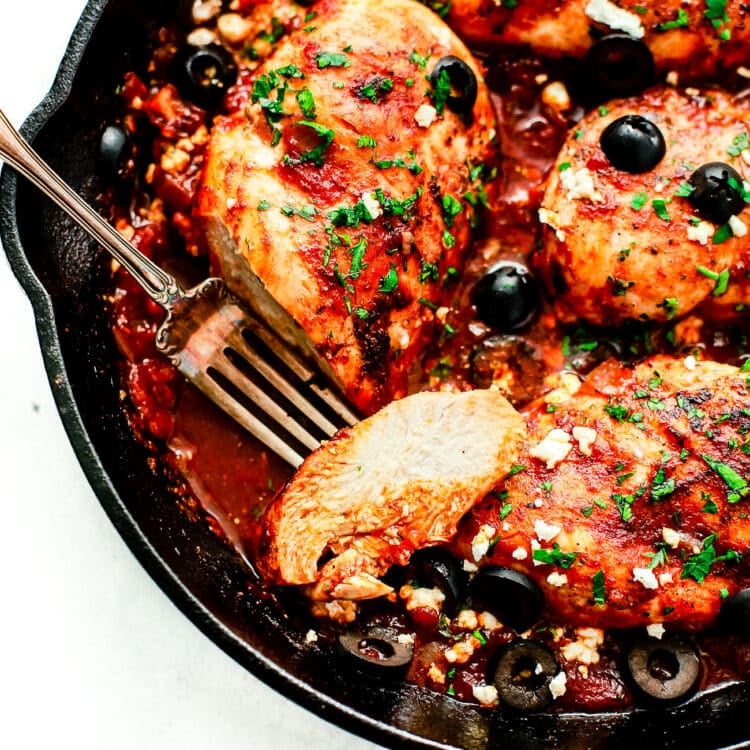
556,95
550,219
645,577
425,115
553,449
544,531
488,621
671,537
585,649
485,694
672,78
467,619
231,203
538,502
535,545
519,553
558,685
422,597
405,639
702,233
609,14
738,227
579,183
690,362
585,437
311,636
469,567
460,652
655,630
372,205
557,579
481,542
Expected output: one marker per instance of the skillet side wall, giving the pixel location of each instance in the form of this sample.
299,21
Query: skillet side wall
65,275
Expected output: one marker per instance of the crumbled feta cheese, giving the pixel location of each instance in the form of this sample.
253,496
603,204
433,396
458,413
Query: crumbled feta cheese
702,233
544,531
655,630
372,205
469,567
485,694
233,27
743,71
460,652
538,502
585,649
541,78
609,14
671,537
665,578
555,95
519,553
672,78
436,674
579,183
557,579
690,362
645,577
550,218
425,115
558,685
405,639
203,11
231,203
467,619
553,449
738,227
311,636
481,542
585,437
422,597
488,621
201,37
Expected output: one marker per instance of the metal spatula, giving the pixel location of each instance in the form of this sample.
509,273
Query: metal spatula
209,335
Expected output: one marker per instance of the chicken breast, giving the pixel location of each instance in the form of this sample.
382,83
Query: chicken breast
694,39
618,245
631,506
347,190
395,482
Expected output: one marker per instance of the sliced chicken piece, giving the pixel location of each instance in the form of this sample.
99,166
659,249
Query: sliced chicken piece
398,481
348,188
632,506
618,245
681,36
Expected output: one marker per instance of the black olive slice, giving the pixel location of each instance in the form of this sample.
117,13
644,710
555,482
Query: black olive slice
523,675
506,297
203,74
618,65
462,81
735,612
376,650
665,669
633,144
437,568
511,596
716,191
113,153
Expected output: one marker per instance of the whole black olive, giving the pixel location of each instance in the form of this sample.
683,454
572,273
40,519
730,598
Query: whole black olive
618,65
203,74
462,80
716,191
438,568
377,651
523,675
506,297
735,612
665,669
633,144
511,596
113,153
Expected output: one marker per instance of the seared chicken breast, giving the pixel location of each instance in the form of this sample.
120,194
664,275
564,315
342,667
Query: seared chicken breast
690,38
397,481
620,245
631,505
342,199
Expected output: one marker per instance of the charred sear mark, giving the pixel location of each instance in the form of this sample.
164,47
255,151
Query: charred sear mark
375,345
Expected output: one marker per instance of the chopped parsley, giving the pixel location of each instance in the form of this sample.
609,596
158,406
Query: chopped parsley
418,60
597,582
315,154
698,566
451,209
660,209
555,556
678,23
639,201
738,486
332,60
721,279
390,281
441,91
366,141
739,144
306,103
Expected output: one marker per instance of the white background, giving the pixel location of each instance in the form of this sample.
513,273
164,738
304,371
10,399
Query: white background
93,654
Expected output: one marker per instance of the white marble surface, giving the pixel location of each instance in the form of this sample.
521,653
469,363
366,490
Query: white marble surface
94,655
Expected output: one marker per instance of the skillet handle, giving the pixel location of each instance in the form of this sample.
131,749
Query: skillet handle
17,153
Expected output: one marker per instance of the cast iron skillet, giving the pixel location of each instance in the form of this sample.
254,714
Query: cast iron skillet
64,274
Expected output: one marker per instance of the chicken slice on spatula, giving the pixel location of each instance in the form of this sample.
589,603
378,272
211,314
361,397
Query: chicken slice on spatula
397,481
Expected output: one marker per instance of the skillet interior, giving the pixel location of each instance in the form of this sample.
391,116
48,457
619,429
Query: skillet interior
64,274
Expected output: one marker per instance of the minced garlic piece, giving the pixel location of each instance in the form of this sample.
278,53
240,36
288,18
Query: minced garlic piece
579,183
425,115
